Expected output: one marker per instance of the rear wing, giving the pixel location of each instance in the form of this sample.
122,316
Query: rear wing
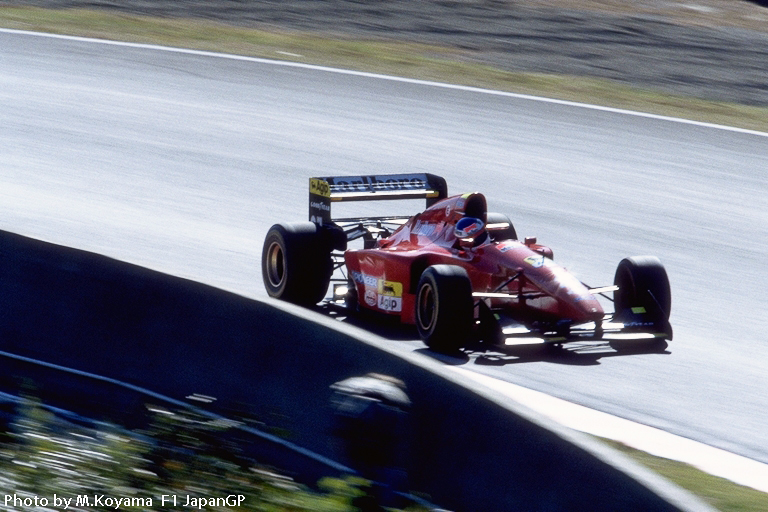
324,191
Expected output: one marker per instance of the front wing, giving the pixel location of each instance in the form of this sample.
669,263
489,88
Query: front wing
629,324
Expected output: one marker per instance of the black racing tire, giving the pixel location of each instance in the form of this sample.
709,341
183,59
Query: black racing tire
507,233
444,309
296,263
643,283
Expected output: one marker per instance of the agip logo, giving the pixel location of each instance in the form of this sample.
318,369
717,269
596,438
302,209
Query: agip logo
319,187
390,295
388,303
386,295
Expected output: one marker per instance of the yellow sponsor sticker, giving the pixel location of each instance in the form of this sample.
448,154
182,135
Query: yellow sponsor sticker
319,187
390,288
535,261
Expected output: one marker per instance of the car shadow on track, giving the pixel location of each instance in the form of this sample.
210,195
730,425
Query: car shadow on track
582,354
576,354
573,354
380,325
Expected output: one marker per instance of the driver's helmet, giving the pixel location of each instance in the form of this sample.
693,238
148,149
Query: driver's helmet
469,227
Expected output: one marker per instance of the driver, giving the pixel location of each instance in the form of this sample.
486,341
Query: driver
471,228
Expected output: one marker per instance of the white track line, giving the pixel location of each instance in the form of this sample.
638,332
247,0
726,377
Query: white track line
738,469
387,77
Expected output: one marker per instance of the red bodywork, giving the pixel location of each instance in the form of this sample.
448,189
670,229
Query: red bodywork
523,281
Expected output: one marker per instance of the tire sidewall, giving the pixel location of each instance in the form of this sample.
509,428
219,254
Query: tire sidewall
305,258
450,307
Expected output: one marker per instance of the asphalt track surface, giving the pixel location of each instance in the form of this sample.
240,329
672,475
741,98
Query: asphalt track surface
181,161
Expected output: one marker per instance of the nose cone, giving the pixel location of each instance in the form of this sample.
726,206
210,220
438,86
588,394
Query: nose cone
574,301
586,308
577,302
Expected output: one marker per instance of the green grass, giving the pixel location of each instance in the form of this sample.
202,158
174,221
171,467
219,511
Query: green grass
180,454
396,58
722,494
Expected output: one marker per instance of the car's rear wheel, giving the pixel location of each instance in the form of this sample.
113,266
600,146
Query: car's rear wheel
296,263
444,307
643,286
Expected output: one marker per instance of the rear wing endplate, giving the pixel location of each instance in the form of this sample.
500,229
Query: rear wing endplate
324,191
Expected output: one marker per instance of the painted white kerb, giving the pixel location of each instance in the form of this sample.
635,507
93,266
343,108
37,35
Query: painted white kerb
717,462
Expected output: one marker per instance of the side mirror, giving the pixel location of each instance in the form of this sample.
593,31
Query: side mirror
532,243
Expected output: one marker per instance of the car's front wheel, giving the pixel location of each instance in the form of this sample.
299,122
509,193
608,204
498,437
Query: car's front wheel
644,289
643,283
296,263
444,309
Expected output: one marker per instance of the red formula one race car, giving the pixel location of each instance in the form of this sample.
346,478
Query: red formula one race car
456,271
